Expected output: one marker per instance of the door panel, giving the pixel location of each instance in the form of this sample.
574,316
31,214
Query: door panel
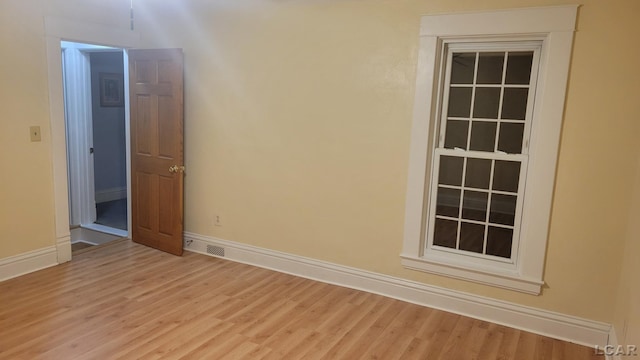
144,186
142,124
166,195
156,91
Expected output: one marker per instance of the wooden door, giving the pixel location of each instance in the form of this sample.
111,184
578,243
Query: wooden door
157,157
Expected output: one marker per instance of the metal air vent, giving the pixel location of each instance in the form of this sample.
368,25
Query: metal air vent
215,250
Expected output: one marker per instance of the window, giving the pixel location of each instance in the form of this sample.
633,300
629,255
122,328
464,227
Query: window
490,92
480,159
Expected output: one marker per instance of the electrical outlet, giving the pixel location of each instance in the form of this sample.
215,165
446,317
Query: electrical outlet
35,133
217,221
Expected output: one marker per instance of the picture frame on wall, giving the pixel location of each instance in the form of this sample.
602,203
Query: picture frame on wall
111,90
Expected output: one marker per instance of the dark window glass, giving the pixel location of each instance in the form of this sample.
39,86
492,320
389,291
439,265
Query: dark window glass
462,68
456,134
499,242
478,173
445,233
474,205
490,68
450,172
459,102
448,202
519,67
503,209
471,237
483,136
514,104
510,140
486,103
506,176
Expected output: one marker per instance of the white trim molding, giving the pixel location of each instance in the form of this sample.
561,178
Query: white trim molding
543,322
28,262
63,249
553,27
79,132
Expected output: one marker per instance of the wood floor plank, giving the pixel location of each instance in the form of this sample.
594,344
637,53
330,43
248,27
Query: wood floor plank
373,329
526,346
453,346
394,340
491,343
124,300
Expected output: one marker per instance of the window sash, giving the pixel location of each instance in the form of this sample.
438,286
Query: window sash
480,258
451,47
468,256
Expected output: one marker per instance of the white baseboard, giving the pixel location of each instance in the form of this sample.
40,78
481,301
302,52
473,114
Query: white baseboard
111,194
63,248
552,324
25,263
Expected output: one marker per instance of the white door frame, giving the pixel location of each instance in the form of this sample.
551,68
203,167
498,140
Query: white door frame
57,30
79,132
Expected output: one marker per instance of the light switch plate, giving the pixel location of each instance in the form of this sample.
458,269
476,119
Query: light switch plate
35,133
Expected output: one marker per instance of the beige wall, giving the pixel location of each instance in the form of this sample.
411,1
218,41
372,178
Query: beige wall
627,314
26,218
298,116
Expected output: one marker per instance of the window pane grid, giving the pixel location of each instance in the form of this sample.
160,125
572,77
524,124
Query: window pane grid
464,222
480,157
479,114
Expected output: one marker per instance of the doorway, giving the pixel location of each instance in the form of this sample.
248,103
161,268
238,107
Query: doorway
95,117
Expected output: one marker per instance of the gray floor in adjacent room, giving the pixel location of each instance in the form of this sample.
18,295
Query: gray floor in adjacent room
112,214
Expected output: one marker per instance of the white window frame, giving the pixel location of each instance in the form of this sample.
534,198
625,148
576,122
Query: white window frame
554,27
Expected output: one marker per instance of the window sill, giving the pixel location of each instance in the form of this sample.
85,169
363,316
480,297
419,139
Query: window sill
505,279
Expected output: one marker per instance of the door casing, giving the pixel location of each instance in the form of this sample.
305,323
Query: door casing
57,30
79,131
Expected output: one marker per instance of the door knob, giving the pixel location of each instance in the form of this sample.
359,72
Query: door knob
176,168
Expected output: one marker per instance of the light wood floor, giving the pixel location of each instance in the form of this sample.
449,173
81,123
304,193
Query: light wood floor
75,248
126,301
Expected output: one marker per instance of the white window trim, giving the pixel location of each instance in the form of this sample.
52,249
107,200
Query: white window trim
554,26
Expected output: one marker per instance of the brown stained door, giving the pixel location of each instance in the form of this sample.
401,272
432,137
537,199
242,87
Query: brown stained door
157,157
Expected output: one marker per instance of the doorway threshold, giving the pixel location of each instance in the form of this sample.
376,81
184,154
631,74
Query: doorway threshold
106,230
95,234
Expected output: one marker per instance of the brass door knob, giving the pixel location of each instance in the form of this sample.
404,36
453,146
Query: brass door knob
176,168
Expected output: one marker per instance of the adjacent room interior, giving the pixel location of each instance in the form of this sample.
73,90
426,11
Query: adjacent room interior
95,143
